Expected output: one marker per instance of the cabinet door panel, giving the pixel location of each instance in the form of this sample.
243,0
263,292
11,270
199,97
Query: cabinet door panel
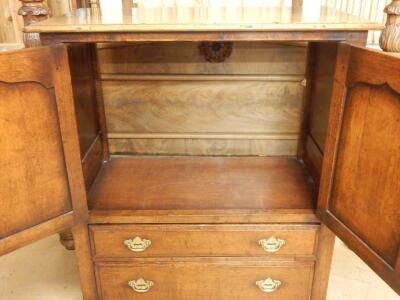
40,174
360,188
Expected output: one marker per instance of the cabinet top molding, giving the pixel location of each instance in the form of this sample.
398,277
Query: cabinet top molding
203,19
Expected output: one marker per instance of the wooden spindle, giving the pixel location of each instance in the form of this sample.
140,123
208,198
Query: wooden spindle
33,11
390,37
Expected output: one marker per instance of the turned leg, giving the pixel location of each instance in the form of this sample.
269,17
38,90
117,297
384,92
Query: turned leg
67,239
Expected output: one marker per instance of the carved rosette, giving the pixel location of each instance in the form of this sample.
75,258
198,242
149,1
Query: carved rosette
216,51
390,37
33,11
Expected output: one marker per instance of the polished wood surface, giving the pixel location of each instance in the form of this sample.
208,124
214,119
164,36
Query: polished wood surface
228,279
204,18
88,106
187,144
210,111
84,261
144,83
250,194
324,252
83,76
320,97
41,177
190,183
215,216
35,233
92,161
322,67
359,191
313,158
256,58
203,240
34,174
206,105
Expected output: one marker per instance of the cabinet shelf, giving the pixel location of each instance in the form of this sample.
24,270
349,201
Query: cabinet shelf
132,186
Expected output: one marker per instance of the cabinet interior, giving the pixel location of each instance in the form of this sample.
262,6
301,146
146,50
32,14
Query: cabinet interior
184,133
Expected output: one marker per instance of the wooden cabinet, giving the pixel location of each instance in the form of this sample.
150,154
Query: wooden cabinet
190,169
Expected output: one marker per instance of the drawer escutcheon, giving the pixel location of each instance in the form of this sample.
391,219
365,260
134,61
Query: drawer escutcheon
268,285
141,285
137,244
271,244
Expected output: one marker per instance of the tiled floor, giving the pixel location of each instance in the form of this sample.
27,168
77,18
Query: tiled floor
45,271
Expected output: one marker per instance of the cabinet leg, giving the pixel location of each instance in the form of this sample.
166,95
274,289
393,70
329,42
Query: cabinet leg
67,240
85,263
326,242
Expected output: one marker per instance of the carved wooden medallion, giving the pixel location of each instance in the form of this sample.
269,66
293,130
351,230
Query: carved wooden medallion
216,51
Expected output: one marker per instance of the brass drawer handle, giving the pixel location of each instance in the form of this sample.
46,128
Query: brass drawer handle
140,285
137,244
272,244
268,285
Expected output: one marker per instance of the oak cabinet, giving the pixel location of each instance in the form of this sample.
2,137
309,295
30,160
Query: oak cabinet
199,163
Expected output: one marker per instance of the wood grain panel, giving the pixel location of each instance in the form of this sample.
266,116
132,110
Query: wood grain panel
324,251
203,106
199,280
205,216
190,183
83,85
321,91
359,189
313,158
368,169
185,58
204,146
203,240
31,194
92,162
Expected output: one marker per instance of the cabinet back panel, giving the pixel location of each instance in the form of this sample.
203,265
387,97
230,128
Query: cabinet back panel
250,104
202,146
184,58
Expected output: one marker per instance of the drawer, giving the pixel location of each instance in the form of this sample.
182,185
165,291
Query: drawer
199,280
202,240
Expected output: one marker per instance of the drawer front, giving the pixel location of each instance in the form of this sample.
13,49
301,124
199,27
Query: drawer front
202,240
225,280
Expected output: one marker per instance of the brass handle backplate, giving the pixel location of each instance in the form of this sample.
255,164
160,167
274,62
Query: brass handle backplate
141,285
268,285
272,244
137,244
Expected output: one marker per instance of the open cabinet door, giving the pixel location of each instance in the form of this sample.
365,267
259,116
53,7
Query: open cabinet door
41,184
359,196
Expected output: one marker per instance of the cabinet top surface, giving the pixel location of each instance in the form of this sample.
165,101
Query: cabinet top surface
127,16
